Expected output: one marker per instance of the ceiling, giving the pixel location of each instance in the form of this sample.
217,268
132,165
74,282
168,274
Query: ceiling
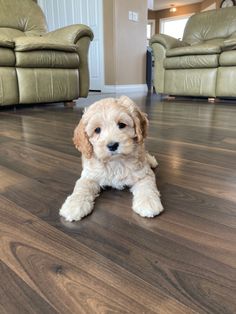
165,4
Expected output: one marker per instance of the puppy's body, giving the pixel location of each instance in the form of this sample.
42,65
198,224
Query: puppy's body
113,157
119,172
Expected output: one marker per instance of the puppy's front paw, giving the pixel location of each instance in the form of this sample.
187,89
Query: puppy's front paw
148,206
75,208
152,161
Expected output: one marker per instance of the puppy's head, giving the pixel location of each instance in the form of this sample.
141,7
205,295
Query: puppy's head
109,128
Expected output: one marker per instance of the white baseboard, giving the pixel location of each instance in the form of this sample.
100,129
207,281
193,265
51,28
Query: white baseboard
124,88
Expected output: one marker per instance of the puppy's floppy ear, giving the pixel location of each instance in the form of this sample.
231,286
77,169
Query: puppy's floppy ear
139,117
141,125
81,140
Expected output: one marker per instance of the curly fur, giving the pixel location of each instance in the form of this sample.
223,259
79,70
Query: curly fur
128,165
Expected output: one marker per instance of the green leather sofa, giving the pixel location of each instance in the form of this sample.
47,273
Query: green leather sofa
203,64
36,66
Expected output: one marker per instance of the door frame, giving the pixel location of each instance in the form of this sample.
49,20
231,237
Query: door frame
101,42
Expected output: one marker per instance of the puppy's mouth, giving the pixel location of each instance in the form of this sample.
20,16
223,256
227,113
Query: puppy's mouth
123,150
113,155
113,151
118,154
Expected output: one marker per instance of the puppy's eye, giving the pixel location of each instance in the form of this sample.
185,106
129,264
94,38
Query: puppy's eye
121,125
97,130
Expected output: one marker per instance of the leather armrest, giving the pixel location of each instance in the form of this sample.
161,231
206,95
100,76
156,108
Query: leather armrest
229,44
38,42
71,33
6,42
81,36
167,41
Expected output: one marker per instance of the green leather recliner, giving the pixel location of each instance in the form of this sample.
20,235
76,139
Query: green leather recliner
203,64
36,66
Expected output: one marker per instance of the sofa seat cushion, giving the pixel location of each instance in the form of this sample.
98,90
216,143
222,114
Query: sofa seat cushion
47,59
6,42
228,58
192,62
7,57
197,49
194,82
42,43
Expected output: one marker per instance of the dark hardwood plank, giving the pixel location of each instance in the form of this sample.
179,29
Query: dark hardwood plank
181,262
212,209
37,131
200,136
39,165
145,248
17,297
71,277
9,177
35,164
219,182
188,151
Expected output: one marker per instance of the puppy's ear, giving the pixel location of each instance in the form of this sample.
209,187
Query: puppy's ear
139,117
141,125
81,140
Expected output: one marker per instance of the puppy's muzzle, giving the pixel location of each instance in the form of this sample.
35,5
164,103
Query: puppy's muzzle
113,146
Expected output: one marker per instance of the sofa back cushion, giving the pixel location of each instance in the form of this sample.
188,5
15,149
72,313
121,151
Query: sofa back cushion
210,24
19,17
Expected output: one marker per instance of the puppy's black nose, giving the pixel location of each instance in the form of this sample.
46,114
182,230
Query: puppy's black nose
113,146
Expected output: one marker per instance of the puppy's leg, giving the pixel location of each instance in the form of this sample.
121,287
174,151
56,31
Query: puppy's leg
151,160
80,203
146,197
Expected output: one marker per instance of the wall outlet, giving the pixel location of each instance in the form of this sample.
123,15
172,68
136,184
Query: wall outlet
135,16
130,16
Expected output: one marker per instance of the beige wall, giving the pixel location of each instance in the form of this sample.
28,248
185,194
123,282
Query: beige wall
183,10
124,42
206,3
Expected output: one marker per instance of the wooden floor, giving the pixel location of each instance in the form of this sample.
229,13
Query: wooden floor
115,261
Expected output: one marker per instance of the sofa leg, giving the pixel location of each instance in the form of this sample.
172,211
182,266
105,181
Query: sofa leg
168,97
213,99
69,104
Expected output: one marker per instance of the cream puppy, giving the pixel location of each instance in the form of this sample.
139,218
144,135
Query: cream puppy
110,137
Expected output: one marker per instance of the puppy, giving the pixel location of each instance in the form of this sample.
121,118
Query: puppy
110,137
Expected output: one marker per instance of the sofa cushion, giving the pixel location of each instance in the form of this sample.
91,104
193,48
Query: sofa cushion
42,43
210,24
7,57
22,15
194,82
226,79
9,94
47,85
10,33
228,58
229,44
47,59
192,62
6,42
197,49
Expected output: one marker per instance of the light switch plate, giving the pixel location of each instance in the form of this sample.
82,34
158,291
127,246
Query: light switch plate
130,16
135,16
